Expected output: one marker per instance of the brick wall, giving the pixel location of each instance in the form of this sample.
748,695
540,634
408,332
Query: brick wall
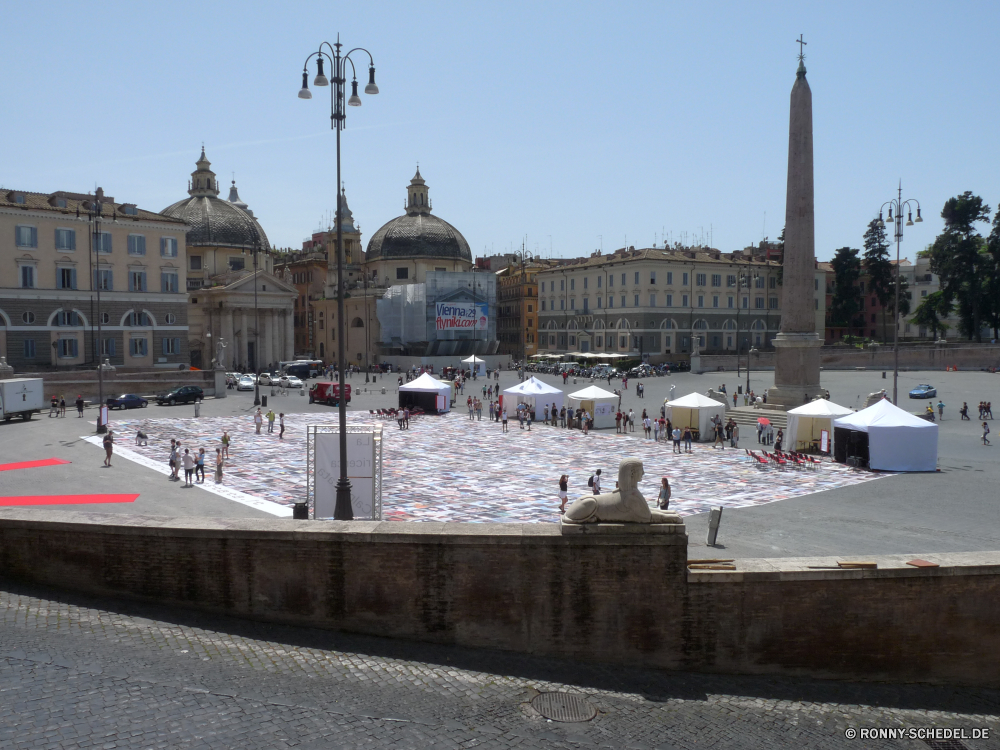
617,598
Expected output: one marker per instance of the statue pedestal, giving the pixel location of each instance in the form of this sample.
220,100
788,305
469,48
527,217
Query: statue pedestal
220,383
796,370
676,530
6,371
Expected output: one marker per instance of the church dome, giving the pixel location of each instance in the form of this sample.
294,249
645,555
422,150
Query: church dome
213,221
418,233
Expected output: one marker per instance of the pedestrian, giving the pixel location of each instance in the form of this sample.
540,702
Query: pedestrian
777,442
562,416
406,418
631,420
109,446
656,430
546,414
493,411
672,389
225,444
618,422
989,410
258,420
964,411
986,431
527,417
676,436
270,420
940,408
734,440
663,500
189,464
585,422
687,439
79,405
399,417
734,400
199,469
281,424
62,406
479,410
719,436
647,427
503,417
563,492
595,482
218,466
172,461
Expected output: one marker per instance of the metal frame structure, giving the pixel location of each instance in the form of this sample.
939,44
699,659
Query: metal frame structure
357,429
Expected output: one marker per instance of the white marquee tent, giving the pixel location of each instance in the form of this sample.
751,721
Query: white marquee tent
695,411
896,439
535,394
476,365
601,405
429,393
806,423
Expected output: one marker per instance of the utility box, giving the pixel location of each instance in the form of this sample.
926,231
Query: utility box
21,397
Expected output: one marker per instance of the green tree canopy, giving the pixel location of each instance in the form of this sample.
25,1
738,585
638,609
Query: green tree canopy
846,303
931,312
881,271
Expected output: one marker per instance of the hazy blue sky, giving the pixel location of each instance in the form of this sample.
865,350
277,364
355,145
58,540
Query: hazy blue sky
564,122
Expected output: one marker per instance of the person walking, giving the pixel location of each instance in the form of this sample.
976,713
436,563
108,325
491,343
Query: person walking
189,464
109,446
172,460
562,416
503,417
545,413
281,424
199,469
406,418
777,442
479,410
618,422
595,482
734,400
663,500
258,420
62,406
964,411
270,420
986,431
527,417
631,420
940,408
687,439
563,492
79,405
720,438
492,411
647,427
218,465
676,436
225,444
734,439
656,430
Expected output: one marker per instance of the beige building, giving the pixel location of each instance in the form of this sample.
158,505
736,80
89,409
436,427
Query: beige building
659,304
233,290
61,282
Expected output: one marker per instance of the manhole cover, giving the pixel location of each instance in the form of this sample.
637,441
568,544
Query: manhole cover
564,707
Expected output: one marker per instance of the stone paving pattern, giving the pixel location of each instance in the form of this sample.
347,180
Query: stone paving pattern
86,673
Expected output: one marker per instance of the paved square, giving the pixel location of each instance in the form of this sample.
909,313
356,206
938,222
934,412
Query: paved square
449,468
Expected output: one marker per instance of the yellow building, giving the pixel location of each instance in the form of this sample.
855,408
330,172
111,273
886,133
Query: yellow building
517,307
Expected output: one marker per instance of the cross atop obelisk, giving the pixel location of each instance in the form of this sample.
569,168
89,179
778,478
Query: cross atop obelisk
802,57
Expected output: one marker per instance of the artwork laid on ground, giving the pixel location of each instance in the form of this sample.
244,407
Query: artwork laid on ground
451,468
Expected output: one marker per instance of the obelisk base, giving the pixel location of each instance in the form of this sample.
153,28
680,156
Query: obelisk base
796,370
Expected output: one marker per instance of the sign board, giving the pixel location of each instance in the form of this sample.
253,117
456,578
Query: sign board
102,418
461,316
602,410
364,470
824,441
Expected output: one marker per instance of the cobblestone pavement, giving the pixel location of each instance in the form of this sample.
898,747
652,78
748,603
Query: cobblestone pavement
88,673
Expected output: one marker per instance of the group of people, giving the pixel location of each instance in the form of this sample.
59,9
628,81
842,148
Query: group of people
475,407
258,420
594,485
194,463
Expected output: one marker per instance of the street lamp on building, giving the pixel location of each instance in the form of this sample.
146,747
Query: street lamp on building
338,70
898,204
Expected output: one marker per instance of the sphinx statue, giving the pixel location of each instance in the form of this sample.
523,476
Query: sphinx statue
623,505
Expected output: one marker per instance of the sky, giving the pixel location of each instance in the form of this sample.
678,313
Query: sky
566,126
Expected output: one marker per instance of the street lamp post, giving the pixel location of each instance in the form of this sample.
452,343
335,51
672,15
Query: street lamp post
342,509
95,215
898,203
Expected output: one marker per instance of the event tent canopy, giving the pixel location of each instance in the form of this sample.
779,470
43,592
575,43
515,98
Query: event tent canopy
478,365
897,440
806,422
429,393
535,394
600,403
695,411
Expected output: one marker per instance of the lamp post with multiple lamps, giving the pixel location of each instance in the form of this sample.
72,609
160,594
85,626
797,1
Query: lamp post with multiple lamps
744,279
342,509
95,215
255,249
898,204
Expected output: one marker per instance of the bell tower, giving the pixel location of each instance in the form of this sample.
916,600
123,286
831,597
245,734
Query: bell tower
203,182
417,202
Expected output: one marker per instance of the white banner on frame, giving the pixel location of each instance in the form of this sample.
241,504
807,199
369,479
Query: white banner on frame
363,471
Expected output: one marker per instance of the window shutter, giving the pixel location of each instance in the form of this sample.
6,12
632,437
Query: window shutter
131,282
111,347
142,282
72,278
166,346
163,285
34,237
177,346
72,239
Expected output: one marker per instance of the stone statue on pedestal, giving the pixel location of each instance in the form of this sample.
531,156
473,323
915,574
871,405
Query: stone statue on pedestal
623,505
220,350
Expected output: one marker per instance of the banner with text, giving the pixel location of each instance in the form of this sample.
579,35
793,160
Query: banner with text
461,316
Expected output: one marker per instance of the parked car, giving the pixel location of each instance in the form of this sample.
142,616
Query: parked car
328,393
267,378
245,383
127,401
291,381
182,395
923,391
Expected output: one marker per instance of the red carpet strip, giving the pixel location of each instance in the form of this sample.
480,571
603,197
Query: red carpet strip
33,464
66,499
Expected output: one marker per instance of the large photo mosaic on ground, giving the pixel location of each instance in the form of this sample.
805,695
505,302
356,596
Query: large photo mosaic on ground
449,468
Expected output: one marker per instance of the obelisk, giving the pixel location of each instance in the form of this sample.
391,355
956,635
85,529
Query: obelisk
796,365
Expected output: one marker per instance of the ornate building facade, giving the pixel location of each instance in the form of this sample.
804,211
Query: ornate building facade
234,293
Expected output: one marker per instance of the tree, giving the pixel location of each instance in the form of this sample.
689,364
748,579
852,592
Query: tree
959,258
931,311
880,270
992,282
846,302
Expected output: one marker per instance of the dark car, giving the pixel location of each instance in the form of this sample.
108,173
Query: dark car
127,401
183,395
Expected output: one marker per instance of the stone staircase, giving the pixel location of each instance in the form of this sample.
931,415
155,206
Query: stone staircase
747,416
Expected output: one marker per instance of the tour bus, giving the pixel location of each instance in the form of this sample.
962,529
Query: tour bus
302,368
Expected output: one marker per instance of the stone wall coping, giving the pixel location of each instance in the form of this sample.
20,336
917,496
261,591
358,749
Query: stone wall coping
381,532
824,568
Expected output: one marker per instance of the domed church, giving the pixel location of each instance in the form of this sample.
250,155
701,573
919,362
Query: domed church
228,255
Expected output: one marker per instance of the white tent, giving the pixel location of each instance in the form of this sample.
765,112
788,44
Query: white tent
476,365
806,423
427,392
600,404
695,411
897,440
536,394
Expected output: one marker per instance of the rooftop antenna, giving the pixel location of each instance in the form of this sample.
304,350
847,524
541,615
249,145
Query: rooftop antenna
763,229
